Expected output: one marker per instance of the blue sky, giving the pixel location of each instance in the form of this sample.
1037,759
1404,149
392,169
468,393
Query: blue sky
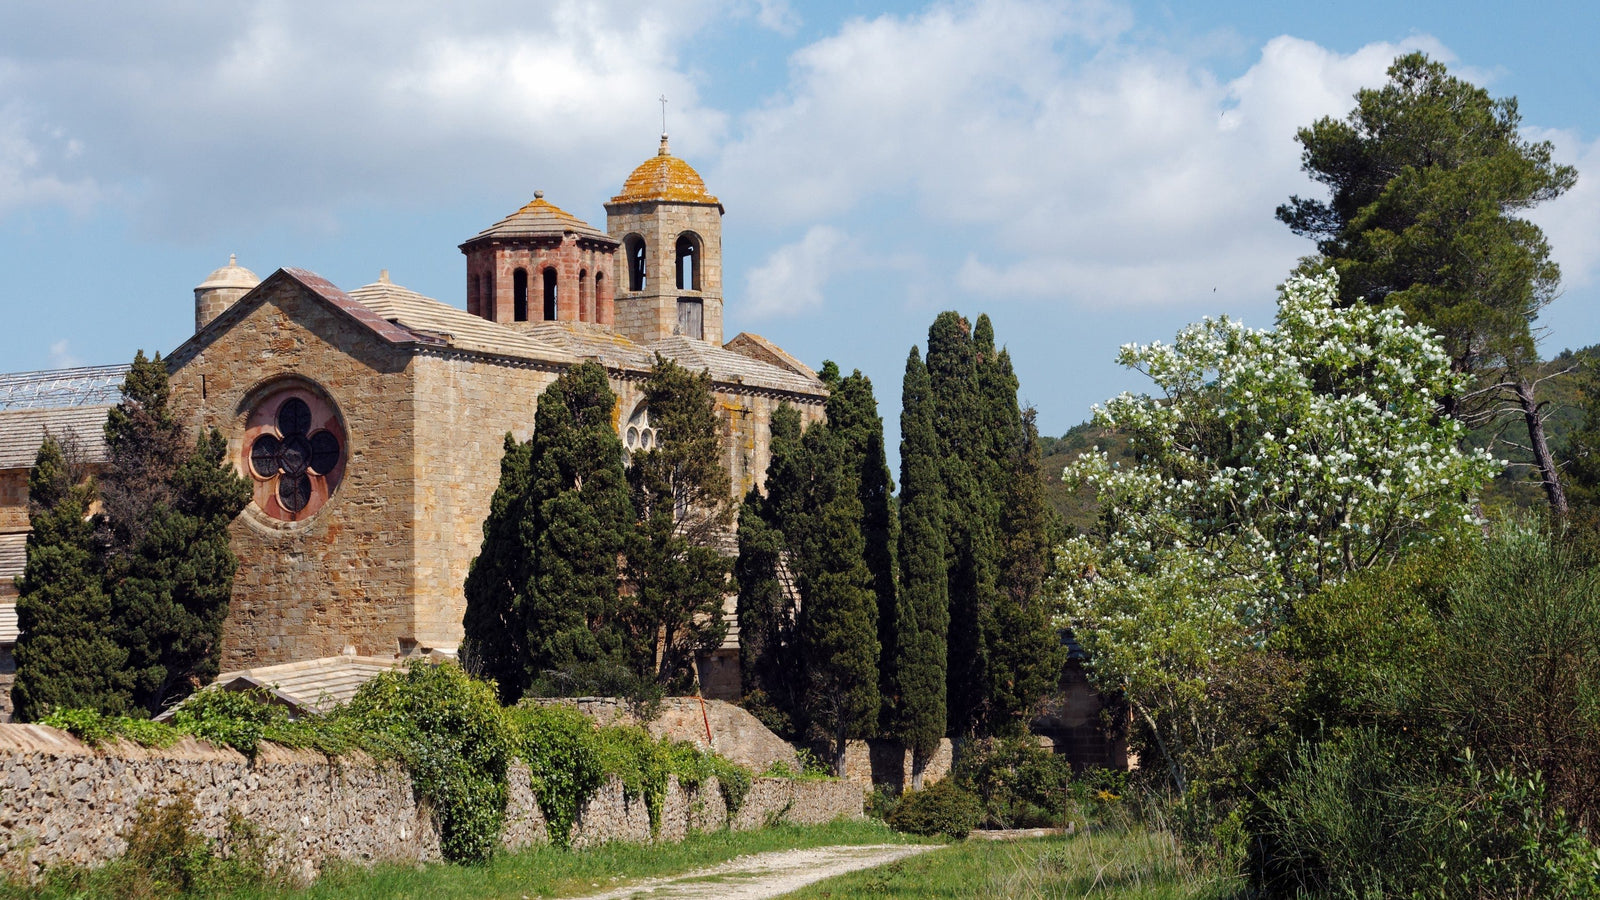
1089,174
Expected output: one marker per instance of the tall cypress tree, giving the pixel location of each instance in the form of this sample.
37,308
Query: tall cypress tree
683,509
65,655
922,612
969,524
767,605
838,629
495,642
1025,649
853,416
548,570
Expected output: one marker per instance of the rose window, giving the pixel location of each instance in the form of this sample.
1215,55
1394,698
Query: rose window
295,451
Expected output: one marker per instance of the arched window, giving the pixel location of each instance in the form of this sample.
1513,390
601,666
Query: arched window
638,435
585,297
599,291
549,295
688,261
633,251
519,295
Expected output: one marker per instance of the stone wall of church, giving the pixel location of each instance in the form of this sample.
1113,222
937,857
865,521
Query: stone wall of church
13,500
344,576
465,405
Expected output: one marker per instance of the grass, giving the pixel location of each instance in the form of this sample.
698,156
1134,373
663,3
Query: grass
1124,865
539,872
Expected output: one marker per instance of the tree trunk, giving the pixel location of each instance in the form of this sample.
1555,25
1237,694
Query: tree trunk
1541,450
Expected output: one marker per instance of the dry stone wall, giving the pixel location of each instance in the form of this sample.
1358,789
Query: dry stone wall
65,802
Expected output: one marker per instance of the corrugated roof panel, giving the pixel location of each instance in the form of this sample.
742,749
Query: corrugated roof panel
13,555
8,624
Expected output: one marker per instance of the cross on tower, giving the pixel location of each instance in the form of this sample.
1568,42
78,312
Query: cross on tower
663,99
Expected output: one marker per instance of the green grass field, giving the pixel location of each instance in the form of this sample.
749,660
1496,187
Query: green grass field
1130,865
541,872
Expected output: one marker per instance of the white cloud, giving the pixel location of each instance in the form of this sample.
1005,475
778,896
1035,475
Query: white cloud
32,160
293,109
1066,159
1571,222
62,357
792,279
776,15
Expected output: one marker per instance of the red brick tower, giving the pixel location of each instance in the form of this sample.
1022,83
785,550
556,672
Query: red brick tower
541,263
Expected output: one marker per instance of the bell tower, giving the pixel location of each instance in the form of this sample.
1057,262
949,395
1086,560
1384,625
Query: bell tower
669,272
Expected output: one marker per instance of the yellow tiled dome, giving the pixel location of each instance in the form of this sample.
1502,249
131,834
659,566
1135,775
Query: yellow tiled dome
664,177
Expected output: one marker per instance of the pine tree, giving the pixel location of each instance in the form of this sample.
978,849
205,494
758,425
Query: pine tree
542,600
922,616
853,416
683,511
65,655
173,590
969,516
838,629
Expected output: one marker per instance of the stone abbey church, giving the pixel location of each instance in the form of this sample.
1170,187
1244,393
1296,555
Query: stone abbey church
371,421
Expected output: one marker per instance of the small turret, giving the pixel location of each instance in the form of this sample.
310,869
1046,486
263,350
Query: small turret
220,290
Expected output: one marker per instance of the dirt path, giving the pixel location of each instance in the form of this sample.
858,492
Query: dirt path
764,875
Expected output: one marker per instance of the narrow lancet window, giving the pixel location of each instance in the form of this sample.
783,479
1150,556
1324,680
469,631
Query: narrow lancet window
688,262
519,294
549,295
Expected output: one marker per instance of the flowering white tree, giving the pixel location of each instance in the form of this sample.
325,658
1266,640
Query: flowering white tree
1271,462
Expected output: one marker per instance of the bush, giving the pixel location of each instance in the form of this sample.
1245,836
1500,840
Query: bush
1018,783
1364,815
943,808
559,745
448,730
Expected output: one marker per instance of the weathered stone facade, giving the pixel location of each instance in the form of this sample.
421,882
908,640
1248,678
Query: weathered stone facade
62,802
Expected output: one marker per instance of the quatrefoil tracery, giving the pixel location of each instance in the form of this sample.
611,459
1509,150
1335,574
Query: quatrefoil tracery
293,455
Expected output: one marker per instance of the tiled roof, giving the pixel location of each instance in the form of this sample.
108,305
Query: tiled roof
53,388
539,218
23,430
13,555
617,352
8,624
314,685
664,177
733,368
455,326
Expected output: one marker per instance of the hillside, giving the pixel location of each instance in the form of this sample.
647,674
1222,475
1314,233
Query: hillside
1504,437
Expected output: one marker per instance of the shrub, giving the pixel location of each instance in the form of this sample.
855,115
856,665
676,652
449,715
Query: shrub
237,719
1018,783
448,730
559,745
943,808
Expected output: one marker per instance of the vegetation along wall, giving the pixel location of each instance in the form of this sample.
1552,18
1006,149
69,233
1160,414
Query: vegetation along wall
63,801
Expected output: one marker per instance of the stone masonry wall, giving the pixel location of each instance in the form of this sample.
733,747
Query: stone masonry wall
62,801
887,764
464,407
344,576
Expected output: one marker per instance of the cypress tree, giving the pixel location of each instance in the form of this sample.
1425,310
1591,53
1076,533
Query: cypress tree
838,629
542,600
578,515
853,416
173,588
969,521
767,604
495,643
922,614
65,655
683,510
144,444
1025,650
